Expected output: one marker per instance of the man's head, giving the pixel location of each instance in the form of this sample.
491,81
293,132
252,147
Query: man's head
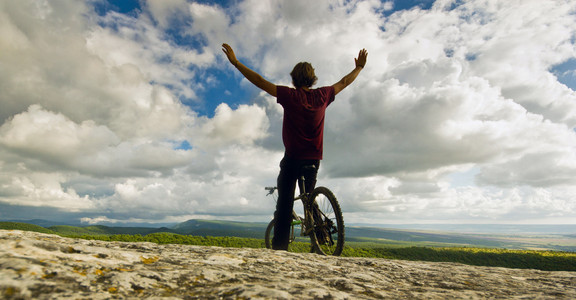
303,75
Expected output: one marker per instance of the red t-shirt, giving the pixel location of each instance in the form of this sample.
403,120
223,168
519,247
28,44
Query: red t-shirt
303,125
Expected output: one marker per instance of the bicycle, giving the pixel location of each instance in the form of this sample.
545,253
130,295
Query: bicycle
322,221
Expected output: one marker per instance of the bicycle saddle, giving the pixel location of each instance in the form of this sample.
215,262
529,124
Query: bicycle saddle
308,168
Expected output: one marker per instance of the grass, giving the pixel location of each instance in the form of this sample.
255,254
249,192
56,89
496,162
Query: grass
385,249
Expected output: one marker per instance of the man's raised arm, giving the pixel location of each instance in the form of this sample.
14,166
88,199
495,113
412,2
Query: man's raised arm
360,62
252,76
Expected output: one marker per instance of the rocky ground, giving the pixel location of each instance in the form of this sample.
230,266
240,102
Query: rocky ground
42,266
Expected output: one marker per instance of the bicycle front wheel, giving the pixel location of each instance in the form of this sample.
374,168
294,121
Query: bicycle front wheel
327,234
296,242
269,234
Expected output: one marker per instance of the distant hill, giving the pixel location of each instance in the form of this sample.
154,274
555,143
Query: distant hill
191,227
48,223
105,230
25,227
40,222
360,233
221,228
354,234
403,237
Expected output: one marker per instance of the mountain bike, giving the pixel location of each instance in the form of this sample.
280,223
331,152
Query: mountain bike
322,221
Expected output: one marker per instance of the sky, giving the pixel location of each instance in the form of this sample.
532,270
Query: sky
118,112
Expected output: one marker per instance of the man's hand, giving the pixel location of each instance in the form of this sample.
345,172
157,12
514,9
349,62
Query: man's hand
348,79
252,76
361,60
230,54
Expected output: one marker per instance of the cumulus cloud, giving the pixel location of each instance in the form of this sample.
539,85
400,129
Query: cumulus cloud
45,133
242,126
98,112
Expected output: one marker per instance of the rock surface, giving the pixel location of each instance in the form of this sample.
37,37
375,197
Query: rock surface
43,266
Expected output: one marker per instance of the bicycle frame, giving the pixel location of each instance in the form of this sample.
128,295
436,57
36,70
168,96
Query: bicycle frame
296,219
322,221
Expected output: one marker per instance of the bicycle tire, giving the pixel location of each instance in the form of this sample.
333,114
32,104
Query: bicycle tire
269,234
292,246
327,236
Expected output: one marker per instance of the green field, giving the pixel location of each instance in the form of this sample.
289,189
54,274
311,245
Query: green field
358,247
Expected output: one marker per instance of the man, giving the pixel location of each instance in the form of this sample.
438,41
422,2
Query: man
302,130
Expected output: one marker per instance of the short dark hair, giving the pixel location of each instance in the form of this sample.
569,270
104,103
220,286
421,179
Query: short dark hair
303,75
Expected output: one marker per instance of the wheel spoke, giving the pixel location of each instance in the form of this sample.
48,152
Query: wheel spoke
328,234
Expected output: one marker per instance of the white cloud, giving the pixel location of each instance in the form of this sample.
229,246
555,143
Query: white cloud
242,126
516,46
60,144
40,189
138,43
97,126
167,11
43,133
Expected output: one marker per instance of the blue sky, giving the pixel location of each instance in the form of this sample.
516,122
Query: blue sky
465,112
232,95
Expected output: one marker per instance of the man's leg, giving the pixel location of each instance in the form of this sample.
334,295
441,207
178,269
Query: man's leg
310,175
285,204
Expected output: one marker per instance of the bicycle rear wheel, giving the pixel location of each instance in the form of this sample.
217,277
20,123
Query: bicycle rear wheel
327,235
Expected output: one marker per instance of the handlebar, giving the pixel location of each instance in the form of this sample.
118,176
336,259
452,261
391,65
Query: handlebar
270,190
